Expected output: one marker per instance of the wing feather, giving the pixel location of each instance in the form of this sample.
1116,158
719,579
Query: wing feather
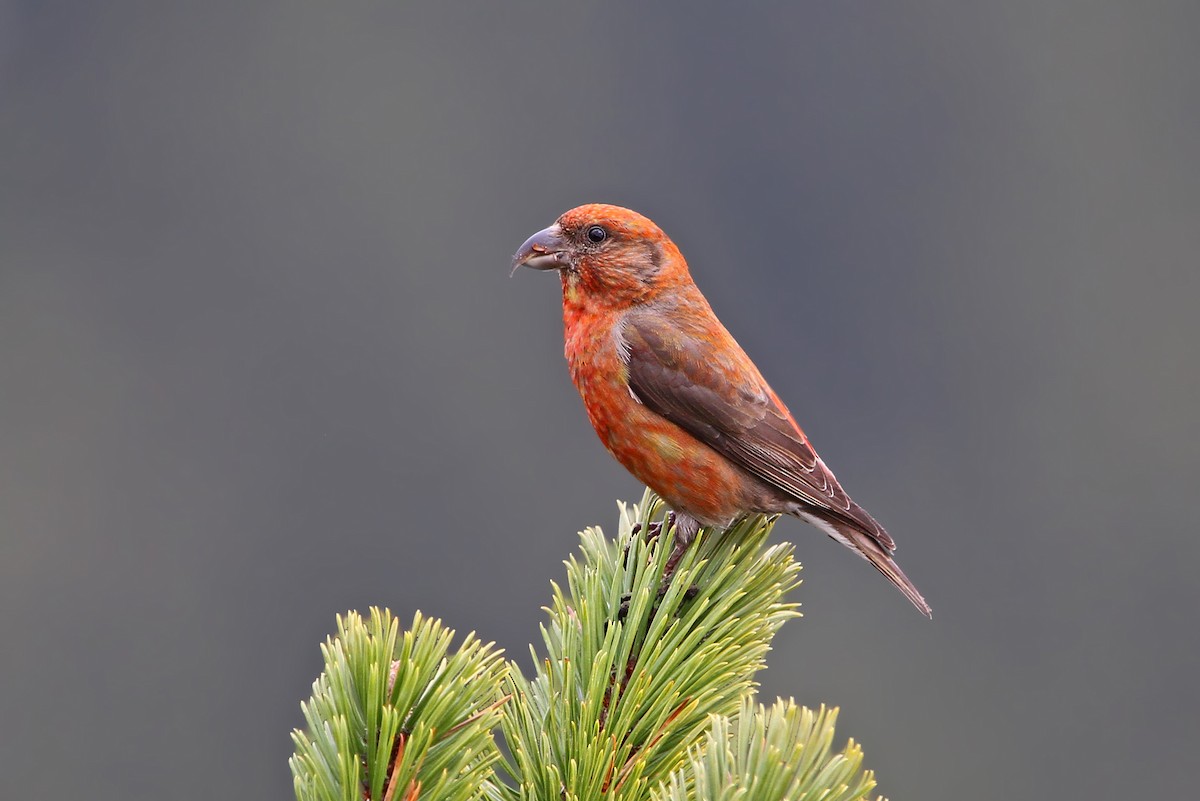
712,391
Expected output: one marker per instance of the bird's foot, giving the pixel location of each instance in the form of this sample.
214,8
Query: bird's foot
685,529
653,530
623,610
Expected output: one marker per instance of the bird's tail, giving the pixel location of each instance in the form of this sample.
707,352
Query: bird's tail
870,548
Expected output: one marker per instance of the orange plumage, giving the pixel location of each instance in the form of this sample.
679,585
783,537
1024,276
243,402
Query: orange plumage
675,399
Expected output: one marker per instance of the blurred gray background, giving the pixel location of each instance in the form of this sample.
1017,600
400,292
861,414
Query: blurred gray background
261,360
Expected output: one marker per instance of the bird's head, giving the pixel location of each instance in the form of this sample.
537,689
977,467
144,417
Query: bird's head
612,255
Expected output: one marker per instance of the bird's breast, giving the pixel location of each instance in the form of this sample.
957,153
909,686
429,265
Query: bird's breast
689,475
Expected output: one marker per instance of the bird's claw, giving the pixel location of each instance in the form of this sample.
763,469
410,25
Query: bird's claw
654,529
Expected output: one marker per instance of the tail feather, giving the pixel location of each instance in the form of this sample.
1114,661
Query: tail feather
870,548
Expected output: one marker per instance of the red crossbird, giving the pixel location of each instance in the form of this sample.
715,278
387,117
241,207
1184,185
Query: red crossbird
675,399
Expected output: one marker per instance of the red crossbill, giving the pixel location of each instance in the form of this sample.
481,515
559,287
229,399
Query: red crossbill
675,399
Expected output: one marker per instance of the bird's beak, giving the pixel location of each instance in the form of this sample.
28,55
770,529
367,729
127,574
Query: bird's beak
545,250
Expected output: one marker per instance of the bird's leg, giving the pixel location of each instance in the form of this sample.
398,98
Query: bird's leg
686,529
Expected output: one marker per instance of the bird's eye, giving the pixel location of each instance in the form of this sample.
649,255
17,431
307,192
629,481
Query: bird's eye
596,234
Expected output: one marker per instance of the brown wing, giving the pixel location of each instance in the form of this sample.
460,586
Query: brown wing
717,395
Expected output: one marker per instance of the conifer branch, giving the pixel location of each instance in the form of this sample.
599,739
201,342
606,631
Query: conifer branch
397,716
770,753
644,691
615,703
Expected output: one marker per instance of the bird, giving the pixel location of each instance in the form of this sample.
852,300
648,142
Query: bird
676,400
